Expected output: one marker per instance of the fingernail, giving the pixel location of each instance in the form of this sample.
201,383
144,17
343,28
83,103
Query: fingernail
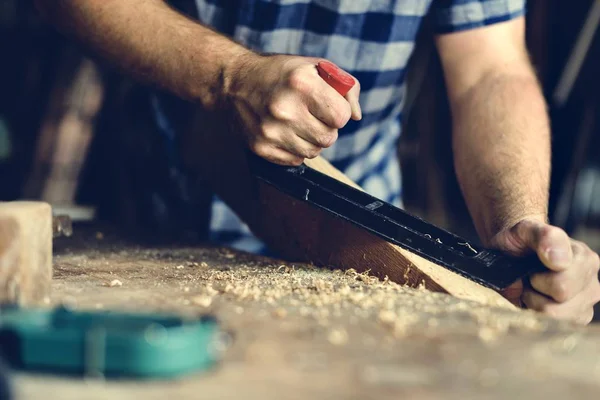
558,256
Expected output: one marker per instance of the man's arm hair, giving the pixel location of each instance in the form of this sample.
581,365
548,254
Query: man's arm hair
152,42
501,133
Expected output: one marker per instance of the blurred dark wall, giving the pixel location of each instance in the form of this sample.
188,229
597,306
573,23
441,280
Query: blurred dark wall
29,52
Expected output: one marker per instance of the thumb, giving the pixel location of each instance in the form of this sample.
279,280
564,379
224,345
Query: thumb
551,243
352,97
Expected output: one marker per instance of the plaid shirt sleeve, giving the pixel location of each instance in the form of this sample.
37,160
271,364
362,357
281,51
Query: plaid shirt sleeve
459,15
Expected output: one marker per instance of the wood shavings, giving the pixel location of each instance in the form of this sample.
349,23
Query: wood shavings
304,311
202,301
114,283
433,323
323,285
387,317
179,267
488,335
210,291
565,344
338,337
281,290
279,313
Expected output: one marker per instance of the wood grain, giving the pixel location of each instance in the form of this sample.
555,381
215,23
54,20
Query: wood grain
25,252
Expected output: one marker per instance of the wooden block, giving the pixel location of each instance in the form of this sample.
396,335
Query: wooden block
25,252
310,234
300,232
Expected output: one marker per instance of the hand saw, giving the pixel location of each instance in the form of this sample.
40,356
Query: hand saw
491,268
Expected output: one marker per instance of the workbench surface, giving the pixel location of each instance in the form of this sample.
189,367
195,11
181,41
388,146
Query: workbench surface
304,333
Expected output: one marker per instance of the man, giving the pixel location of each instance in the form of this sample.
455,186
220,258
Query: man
501,135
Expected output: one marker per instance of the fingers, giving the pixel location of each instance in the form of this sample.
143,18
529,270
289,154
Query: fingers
327,105
352,98
276,155
562,286
570,288
551,243
300,147
578,309
570,293
538,302
322,101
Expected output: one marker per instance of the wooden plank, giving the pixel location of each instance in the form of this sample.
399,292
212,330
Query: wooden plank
25,252
300,232
314,334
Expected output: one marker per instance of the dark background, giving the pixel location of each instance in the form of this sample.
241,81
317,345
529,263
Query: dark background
75,133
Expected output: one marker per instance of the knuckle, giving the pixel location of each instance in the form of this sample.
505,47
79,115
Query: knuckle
259,149
327,139
292,160
312,153
299,80
279,109
283,158
269,133
341,116
547,233
561,290
547,230
580,249
295,161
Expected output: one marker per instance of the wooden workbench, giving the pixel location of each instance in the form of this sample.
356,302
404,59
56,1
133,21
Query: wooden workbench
304,333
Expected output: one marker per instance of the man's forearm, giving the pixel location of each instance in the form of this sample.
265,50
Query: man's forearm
501,145
151,42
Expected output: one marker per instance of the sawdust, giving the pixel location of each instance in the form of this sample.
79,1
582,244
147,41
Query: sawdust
338,337
295,323
237,283
202,301
279,312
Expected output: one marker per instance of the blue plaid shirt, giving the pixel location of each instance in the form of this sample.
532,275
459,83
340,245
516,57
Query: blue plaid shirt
373,40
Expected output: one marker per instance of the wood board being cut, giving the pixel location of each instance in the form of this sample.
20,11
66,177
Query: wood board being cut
300,232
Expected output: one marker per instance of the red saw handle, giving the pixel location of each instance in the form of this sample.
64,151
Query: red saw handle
336,77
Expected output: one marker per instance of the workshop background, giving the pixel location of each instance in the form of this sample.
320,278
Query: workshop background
74,132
